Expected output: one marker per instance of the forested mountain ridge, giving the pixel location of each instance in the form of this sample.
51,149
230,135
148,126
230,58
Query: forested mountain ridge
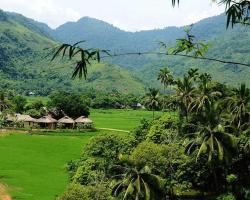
223,44
25,65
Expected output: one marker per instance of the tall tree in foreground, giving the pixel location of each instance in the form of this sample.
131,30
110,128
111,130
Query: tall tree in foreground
138,184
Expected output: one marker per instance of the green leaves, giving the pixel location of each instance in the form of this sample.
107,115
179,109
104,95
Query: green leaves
85,56
189,46
238,11
138,184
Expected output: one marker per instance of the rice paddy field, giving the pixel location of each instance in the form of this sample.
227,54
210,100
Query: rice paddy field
120,119
33,166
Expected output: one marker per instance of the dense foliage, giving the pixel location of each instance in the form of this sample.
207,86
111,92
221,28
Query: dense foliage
202,151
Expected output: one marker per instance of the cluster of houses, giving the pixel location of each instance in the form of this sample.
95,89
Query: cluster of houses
48,122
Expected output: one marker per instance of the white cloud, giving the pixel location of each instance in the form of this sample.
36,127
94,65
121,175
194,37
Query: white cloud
127,14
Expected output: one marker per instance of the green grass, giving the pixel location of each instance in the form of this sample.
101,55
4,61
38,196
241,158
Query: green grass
120,119
34,165
31,99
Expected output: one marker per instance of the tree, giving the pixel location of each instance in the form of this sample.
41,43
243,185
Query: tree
185,92
165,77
72,104
152,99
138,184
19,103
211,137
204,94
3,102
239,106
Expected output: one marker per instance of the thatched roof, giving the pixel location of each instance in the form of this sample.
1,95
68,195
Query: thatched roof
25,118
20,118
66,120
11,117
46,120
84,120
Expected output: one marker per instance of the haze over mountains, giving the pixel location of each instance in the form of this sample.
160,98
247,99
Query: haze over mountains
24,68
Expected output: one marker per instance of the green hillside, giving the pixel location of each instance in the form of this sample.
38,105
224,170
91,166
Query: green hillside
25,65
224,44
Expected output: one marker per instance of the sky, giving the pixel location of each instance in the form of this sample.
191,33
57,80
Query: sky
129,15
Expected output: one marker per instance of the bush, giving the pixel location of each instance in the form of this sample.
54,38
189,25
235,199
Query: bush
228,196
89,171
79,192
163,129
33,113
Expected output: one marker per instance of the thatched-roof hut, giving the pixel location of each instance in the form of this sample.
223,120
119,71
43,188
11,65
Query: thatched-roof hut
11,117
25,120
83,120
66,122
47,122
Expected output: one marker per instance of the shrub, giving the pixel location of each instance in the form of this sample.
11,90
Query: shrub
228,196
163,129
79,192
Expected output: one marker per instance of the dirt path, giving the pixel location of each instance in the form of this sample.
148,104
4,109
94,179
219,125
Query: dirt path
3,193
111,129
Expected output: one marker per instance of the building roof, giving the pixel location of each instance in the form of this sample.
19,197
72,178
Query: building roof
83,119
47,120
66,120
25,118
10,117
20,118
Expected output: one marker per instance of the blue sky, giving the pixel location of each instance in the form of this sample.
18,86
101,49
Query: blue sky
131,15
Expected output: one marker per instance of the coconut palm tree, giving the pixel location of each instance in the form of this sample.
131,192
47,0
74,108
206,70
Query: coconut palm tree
211,137
153,99
193,73
185,93
138,184
204,94
239,107
165,77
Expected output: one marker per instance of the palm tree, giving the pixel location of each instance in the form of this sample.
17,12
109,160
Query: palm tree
204,93
239,106
138,184
165,77
185,93
152,99
211,138
193,73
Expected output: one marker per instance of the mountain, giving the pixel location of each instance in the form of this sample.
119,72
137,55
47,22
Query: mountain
228,44
25,65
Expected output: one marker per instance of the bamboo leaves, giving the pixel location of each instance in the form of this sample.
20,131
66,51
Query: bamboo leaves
84,57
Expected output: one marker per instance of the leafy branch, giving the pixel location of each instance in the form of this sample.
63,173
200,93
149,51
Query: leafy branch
86,57
237,11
